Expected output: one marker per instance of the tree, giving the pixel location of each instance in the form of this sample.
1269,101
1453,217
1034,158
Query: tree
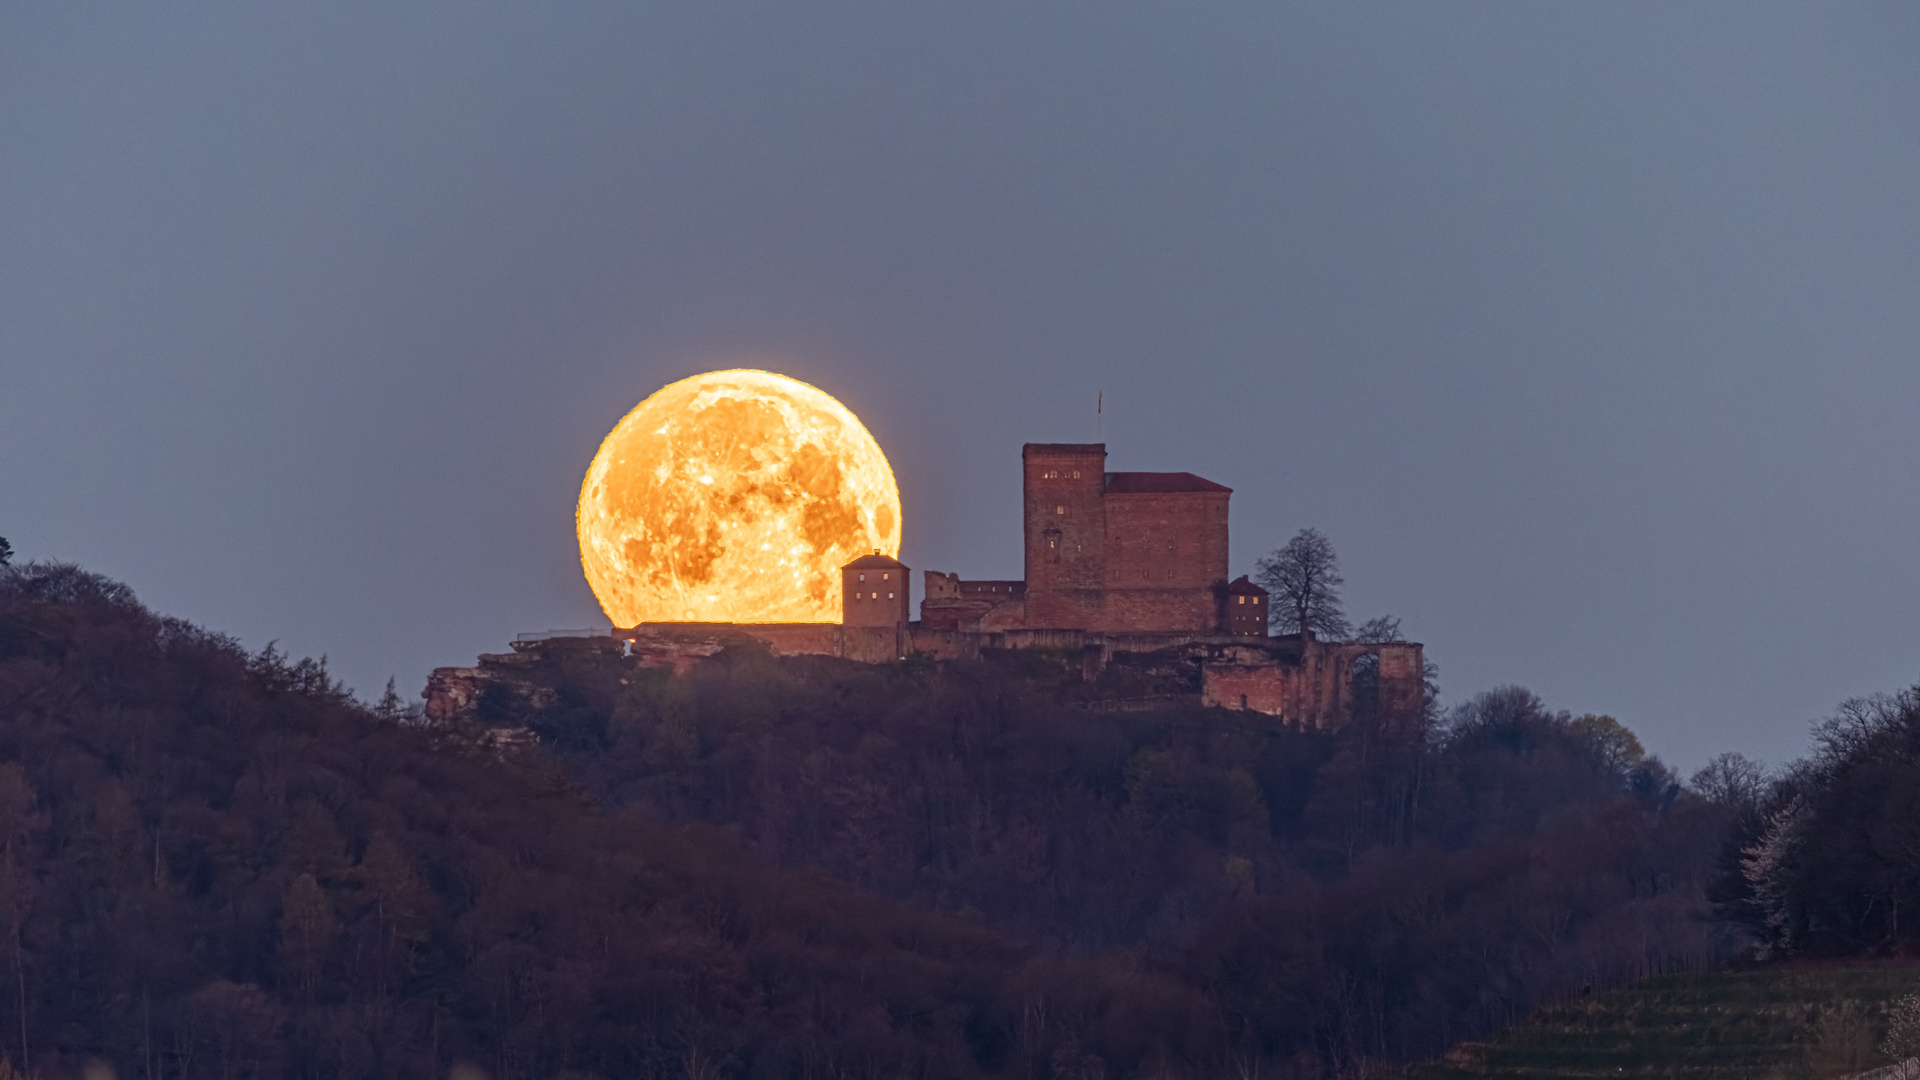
1380,631
1732,781
1304,578
6,552
1612,743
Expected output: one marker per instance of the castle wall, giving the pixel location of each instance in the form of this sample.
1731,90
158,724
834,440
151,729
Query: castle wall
1263,688
1064,516
1314,687
1166,560
680,644
948,603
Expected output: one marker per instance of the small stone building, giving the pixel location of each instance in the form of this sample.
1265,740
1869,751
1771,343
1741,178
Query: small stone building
1247,608
873,592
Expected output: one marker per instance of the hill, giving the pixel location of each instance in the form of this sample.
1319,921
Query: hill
215,863
1788,1022
1342,896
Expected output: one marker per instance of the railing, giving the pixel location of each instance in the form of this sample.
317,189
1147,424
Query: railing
542,635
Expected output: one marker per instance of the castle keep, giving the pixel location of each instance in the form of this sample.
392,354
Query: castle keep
1105,552
1126,567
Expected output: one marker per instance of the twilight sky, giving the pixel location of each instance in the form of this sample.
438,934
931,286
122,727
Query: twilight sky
1590,334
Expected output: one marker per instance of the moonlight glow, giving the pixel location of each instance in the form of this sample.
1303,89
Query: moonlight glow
734,496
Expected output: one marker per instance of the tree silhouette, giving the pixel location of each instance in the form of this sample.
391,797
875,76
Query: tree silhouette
1304,578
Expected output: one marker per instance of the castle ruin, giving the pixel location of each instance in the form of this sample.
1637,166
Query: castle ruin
1120,566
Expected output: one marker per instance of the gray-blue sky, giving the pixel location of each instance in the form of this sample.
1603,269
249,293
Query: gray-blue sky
1587,332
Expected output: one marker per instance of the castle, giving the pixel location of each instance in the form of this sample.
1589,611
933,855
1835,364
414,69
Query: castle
1120,553
1118,564
1126,567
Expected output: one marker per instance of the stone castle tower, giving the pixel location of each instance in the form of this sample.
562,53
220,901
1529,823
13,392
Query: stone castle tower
1121,552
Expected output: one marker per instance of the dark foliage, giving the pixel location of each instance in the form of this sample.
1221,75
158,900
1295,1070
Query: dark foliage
1826,859
217,864
1338,897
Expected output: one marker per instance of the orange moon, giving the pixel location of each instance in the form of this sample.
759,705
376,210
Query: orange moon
734,496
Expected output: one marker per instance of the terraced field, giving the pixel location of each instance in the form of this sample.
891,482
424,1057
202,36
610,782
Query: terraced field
1787,1023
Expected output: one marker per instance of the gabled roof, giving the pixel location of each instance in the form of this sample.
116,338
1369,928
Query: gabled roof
1240,585
875,561
1136,483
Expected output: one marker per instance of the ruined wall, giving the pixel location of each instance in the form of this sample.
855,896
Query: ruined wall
1312,685
952,604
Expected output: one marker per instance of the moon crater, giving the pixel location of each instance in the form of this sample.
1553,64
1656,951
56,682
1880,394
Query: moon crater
733,496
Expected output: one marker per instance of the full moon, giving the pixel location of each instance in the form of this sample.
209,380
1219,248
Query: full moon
734,496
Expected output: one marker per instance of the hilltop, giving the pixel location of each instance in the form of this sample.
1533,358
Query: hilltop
219,863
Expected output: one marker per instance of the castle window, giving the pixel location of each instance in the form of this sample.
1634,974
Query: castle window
885,577
1169,575
1241,599
1076,474
1256,599
863,577
1060,510
889,596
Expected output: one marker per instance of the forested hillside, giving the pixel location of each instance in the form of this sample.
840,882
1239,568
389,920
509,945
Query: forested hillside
218,864
1825,857
1340,896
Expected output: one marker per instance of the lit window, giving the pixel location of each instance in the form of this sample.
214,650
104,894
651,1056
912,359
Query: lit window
863,577
1256,599
1076,474
889,596
883,577
1060,510
1242,599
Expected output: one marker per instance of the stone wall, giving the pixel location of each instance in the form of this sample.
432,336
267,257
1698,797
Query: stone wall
1166,560
680,643
1312,684
949,603
1063,493
1306,683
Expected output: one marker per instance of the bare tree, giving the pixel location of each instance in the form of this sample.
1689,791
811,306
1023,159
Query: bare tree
1304,578
1380,631
1733,781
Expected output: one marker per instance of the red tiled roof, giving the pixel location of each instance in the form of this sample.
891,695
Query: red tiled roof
1133,483
875,561
1241,585
1091,448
